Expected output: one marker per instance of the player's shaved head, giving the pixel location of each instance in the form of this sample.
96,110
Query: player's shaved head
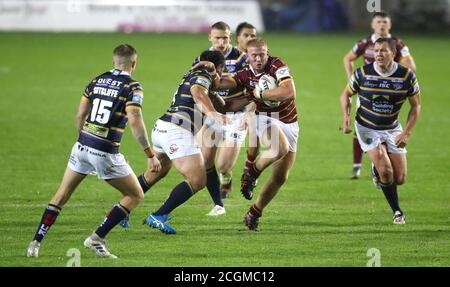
220,26
124,56
257,43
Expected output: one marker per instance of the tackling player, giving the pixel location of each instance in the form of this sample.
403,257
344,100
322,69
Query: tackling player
382,88
276,123
174,140
108,103
381,26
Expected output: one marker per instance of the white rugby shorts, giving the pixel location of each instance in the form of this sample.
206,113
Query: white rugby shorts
231,131
86,160
370,138
291,131
173,140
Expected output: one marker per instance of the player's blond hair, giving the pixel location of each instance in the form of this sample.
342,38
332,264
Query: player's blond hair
257,43
124,55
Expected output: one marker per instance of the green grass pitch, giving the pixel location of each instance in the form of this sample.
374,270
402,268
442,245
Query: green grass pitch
320,218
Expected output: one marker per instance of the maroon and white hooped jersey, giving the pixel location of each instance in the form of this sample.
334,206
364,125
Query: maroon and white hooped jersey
275,67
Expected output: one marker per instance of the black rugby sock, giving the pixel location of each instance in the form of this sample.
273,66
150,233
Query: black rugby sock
143,183
180,194
48,218
117,213
390,192
213,185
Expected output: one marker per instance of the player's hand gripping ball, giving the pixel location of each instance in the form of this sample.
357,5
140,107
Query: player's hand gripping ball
266,82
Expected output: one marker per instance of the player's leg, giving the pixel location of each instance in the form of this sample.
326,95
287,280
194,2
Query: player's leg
277,146
69,183
132,196
209,137
279,175
383,165
226,160
357,152
150,178
399,164
398,161
357,158
193,170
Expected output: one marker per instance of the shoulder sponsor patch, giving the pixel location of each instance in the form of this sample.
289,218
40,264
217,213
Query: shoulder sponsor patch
203,82
137,98
282,72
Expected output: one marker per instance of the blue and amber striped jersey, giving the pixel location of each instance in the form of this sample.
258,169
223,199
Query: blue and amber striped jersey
235,60
110,95
382,95
183,111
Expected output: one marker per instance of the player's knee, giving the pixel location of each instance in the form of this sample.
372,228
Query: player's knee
138,196
223,167
197,182
400,179
386,173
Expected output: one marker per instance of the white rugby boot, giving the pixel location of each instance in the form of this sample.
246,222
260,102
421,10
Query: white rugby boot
98,245
33,249
217,210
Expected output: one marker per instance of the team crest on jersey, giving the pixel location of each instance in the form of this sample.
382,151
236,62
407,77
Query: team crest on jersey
397,86
369,141
173,149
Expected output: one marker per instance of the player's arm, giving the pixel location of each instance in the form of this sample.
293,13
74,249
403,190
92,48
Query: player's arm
413,115
346,104
349,58
219,83
139,132
83,111
408,62
285,91
201,98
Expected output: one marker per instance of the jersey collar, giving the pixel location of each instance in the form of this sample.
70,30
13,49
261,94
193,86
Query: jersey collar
121,72
374,37
227,53
388,74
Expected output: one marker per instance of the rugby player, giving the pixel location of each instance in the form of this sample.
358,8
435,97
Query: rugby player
381,26
214,135
382,88
174,139
107,104
276,123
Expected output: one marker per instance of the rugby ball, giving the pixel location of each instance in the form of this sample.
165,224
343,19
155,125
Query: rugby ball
267,82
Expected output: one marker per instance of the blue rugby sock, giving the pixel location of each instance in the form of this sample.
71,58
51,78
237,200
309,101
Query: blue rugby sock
390,192
48,218
213,185
180,194
117,213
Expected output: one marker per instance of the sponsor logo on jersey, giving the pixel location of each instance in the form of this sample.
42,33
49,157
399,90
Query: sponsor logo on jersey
203,82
